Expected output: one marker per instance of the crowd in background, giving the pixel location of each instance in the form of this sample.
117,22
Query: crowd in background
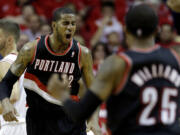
100,23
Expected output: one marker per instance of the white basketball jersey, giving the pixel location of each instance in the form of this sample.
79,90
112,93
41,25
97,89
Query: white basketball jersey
10,58
20,105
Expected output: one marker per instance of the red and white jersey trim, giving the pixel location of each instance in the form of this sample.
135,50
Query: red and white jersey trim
32,85
10,58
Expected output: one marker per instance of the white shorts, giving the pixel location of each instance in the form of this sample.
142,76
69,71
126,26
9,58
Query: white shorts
13,128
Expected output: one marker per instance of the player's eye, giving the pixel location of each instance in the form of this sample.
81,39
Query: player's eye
73,23
65,23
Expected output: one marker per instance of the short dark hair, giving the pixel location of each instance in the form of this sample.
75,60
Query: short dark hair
141,21
57,13
10,27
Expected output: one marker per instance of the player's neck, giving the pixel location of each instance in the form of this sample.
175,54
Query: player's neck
143,43
57,46
8,49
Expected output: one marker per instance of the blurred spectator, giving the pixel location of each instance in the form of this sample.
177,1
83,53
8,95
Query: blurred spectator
33,24
11,7
82,34
162,11
26,12
99,53
107,24
167,36
45,29
22,41
113,42
13,10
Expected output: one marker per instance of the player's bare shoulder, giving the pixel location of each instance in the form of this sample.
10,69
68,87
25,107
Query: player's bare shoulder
114,65
85,51
24,57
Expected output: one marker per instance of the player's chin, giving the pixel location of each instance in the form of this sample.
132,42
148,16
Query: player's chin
67,40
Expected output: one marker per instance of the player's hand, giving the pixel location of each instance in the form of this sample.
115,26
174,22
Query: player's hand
8,110
58,88
174,5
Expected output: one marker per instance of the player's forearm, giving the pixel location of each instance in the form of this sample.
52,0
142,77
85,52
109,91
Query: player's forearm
0,108
6,84
15,93
80,111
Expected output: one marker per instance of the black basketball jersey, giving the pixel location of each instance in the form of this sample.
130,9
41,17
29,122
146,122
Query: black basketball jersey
46,63
147,100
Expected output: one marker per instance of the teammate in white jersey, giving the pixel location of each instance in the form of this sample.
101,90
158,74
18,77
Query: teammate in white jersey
9,35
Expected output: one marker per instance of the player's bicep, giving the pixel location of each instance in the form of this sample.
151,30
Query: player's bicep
23,59
15,93
87,67
4,67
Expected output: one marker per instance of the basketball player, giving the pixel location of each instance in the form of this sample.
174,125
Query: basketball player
174,5
141,85
9,34
54,53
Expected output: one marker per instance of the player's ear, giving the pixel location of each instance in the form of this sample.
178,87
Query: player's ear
53,24
10,40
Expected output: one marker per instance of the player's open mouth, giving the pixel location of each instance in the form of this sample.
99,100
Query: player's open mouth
68,36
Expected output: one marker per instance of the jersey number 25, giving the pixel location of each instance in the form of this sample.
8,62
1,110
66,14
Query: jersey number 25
167,108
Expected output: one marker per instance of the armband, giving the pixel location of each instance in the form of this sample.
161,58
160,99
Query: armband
6,84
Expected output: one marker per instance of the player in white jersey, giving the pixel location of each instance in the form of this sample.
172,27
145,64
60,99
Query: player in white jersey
9,35
14,128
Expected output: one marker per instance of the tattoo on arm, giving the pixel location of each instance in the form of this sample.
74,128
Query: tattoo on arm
24,58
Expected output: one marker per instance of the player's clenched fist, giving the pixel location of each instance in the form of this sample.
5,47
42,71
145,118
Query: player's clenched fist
58,88
8,110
